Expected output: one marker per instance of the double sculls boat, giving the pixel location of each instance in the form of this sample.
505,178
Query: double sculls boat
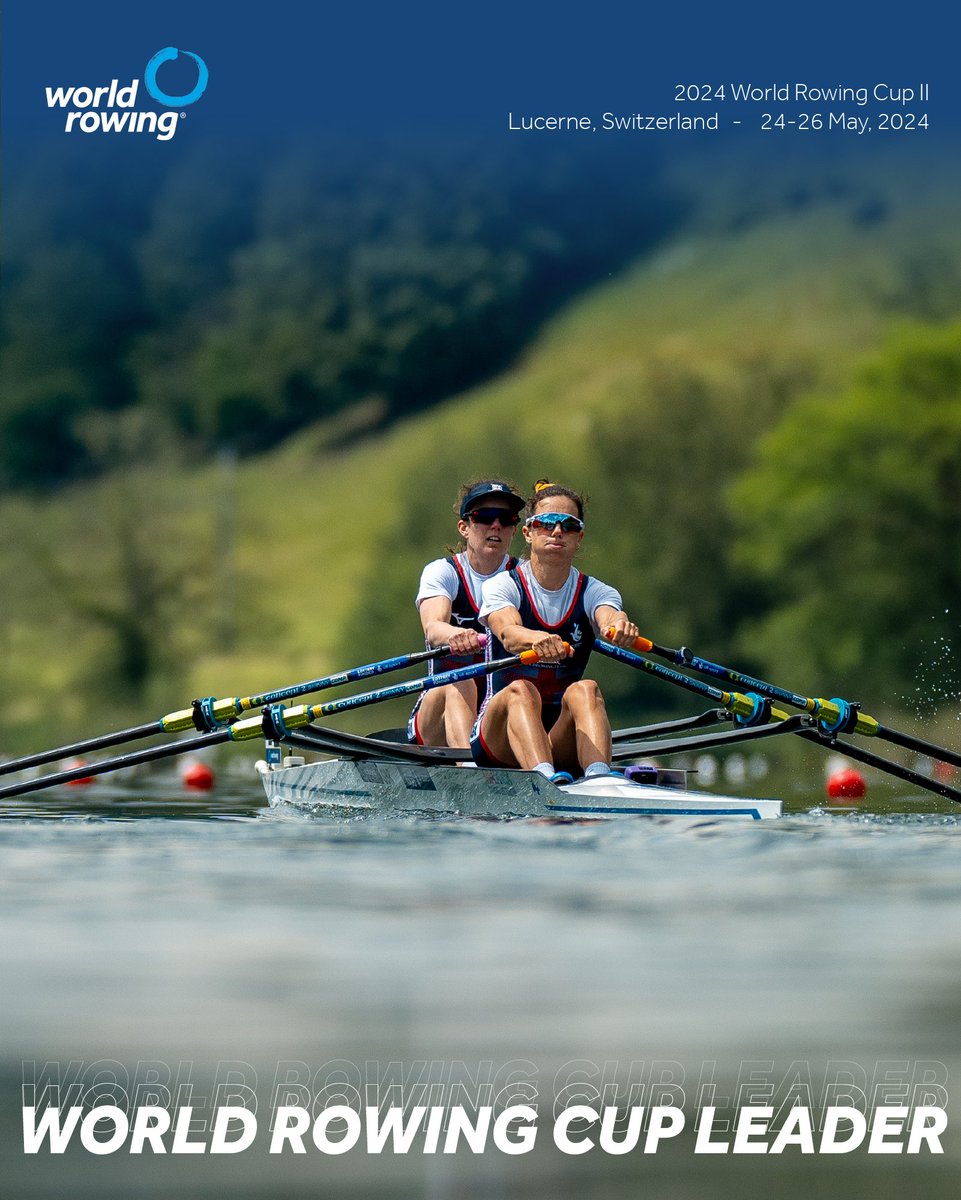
385,787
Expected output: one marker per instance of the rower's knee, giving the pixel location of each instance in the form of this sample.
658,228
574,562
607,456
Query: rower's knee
522,691
584,694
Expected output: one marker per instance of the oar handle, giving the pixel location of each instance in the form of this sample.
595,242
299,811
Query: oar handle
642,645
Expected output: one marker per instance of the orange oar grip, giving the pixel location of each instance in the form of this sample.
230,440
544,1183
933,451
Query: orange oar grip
641,644
528,657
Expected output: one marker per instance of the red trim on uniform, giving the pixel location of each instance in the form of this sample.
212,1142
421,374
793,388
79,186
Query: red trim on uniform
487,750
577,595
463,578
454,558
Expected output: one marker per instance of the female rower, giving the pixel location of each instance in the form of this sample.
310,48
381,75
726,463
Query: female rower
448,600
546,717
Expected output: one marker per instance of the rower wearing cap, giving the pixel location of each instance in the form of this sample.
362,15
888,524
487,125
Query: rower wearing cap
448,602
546,717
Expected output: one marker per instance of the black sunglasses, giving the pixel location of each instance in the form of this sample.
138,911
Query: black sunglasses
487,516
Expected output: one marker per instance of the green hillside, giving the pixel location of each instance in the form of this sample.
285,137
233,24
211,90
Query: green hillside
649,392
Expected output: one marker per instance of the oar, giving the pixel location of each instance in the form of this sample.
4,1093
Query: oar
750,710
276,721
273,723
833,716
712,717
705,741
167,750
825,735
352,745
355,745
208,714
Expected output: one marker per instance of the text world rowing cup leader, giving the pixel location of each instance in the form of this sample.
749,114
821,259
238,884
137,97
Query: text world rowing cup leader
579,1129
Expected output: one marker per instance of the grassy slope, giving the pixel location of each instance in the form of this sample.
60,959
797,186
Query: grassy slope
790,298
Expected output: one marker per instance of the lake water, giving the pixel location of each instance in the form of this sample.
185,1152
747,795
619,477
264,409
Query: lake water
209,947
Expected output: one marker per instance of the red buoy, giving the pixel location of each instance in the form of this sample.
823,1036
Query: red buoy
84,780
846,784
197,775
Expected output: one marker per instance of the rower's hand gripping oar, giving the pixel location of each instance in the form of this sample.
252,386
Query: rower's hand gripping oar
273,723
209,714
832,717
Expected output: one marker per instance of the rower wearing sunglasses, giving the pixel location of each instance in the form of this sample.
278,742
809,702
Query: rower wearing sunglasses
448,601
546,717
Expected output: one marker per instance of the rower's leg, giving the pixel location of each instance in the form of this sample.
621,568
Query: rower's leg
445,715
429,718
460,712
582,733
512,730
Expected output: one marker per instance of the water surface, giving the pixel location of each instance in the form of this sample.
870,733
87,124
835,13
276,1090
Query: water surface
219,940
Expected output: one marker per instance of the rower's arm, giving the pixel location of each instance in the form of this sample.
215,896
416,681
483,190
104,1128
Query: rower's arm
439,630
615,625
505,625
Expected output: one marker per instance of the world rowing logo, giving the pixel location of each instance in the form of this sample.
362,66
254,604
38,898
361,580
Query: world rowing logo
112,108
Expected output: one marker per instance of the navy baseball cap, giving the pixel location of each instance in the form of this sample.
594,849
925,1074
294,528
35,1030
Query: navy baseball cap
491,487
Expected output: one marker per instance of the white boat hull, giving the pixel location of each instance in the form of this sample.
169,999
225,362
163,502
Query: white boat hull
384,787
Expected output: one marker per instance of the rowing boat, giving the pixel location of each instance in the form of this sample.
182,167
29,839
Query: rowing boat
382,787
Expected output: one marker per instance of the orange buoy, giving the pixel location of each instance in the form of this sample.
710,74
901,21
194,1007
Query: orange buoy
197,775
846,784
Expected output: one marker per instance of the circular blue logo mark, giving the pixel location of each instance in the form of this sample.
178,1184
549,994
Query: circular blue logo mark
150,78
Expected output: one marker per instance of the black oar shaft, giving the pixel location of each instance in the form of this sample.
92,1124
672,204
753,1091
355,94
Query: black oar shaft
97,743
712,717
168,750
704,741
919,745
334,741
834,716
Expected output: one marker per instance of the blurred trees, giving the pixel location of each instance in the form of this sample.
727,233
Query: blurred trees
127,558
242,304
851,519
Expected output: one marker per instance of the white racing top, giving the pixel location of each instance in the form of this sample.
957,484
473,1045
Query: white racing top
440,578
500,591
